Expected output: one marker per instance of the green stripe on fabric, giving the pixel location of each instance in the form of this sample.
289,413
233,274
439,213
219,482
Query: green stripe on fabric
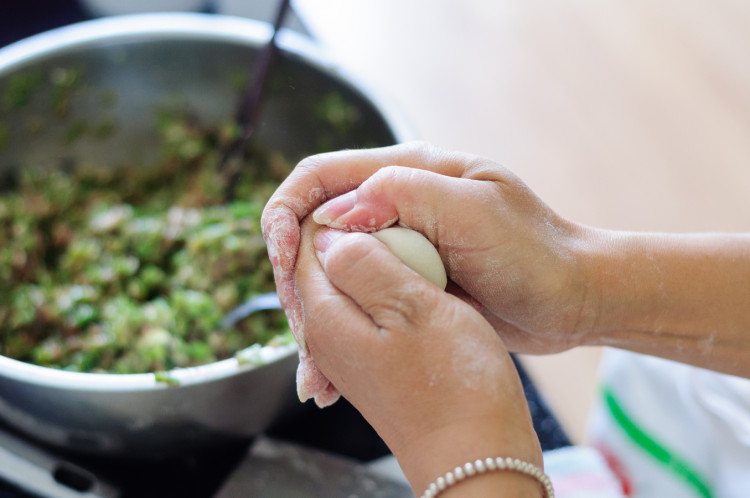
678,466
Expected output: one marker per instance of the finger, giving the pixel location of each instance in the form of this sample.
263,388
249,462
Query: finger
327,396
282,236
316,179
325,176
332,323
326,309
331,174
363,268
421,200
310,380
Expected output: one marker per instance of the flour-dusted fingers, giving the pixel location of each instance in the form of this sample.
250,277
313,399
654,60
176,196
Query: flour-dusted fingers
423,200
499,242
328,313
325,176
311,382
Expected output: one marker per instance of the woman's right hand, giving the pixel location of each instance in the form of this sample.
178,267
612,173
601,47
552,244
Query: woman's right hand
544,283
500,243
547,284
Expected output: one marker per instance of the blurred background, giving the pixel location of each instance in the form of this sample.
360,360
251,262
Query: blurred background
624,115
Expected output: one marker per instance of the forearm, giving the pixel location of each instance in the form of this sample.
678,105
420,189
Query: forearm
682,297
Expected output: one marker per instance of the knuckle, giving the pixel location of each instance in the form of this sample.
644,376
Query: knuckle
408,308
429,153
269,216
350,253
390,180
383,179
416,152
311,163
482,169
278,224
423,150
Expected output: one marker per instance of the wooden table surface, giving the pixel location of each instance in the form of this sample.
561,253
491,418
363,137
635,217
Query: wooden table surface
624,115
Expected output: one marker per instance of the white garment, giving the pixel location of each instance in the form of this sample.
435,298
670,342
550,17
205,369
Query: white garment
675,430
580,472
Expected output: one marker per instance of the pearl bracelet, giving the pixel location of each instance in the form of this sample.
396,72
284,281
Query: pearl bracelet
482,466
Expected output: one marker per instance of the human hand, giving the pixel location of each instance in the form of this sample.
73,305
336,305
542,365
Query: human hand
500,243
425,369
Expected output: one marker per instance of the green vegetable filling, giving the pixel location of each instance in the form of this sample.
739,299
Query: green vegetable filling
130,270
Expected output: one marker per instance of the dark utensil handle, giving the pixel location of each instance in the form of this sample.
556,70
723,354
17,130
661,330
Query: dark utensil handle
249,108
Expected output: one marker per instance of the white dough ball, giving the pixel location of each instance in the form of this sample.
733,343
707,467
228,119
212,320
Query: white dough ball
415,251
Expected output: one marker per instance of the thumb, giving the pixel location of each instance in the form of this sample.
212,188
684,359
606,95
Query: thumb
416,198
366,271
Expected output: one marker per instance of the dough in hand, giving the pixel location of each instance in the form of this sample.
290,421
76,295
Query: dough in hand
416,252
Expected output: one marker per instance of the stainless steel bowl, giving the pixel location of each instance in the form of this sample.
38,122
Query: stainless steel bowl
130,66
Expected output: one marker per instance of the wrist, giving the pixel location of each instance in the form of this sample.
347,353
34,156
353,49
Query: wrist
617,284
430,456
492,477
592,249
678,296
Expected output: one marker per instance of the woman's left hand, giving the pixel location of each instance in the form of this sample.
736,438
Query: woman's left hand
425,368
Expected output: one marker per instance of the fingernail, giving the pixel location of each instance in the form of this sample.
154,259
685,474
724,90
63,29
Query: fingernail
303,390
325,238
328,397
335,208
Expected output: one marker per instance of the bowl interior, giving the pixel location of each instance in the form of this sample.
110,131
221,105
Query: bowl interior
98,102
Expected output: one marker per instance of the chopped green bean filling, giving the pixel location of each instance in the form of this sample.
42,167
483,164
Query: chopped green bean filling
130,270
